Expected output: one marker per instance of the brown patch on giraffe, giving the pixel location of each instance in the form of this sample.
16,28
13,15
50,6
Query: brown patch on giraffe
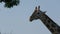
52,30
48,26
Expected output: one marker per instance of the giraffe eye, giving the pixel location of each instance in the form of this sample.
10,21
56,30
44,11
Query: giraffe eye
38,13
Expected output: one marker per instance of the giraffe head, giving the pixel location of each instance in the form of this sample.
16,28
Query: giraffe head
36,14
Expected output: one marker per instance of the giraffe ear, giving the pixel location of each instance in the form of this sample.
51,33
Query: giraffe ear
44,11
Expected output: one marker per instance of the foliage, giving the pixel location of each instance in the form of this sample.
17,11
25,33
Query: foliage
10,3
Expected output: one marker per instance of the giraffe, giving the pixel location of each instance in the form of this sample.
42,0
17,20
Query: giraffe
47,21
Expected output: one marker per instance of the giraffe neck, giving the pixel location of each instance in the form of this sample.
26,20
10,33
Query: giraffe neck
49,23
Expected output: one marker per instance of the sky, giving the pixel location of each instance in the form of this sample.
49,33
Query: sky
16,20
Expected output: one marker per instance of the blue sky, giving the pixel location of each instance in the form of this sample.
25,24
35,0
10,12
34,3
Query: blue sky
16,19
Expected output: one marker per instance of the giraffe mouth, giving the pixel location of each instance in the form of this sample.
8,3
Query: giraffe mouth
31,20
